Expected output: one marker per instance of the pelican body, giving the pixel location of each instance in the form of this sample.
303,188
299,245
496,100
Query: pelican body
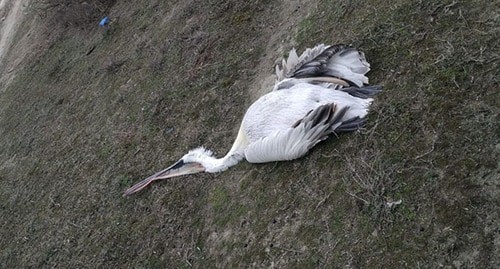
323,91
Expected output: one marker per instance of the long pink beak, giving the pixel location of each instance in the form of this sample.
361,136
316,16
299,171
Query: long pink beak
177,169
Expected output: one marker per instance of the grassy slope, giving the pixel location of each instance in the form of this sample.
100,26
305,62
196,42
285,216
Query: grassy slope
78,129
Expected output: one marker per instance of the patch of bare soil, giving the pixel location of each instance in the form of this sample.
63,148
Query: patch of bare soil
11,16
280,39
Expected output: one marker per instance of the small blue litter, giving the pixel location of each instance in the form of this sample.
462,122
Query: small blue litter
104,21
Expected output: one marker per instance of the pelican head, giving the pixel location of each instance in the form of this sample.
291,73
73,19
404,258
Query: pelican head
195,161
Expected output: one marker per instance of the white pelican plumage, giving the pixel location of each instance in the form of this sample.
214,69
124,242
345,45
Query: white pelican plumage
323,91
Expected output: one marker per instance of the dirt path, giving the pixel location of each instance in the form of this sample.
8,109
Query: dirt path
278,43
11,15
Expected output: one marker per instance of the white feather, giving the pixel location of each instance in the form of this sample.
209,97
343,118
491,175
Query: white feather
282,145
279,110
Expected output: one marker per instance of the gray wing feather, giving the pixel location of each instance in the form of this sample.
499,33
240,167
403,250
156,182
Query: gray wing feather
340,61
318,65
293,63
363,92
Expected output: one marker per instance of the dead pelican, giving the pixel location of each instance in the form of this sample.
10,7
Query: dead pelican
321,92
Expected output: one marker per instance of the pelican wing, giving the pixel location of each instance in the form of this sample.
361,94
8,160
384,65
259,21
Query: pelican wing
318,65
293,63
339,61
296,141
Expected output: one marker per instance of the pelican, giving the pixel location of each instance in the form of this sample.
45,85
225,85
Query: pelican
324,91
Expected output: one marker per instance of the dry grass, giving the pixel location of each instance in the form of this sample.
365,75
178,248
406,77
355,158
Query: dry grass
78,128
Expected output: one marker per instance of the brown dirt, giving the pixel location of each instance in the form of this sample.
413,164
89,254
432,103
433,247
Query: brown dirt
11,16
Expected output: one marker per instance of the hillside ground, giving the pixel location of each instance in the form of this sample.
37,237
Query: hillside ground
85,112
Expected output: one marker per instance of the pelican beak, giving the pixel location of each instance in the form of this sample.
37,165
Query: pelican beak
177,169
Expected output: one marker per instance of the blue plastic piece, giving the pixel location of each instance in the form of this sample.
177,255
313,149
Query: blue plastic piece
104,21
